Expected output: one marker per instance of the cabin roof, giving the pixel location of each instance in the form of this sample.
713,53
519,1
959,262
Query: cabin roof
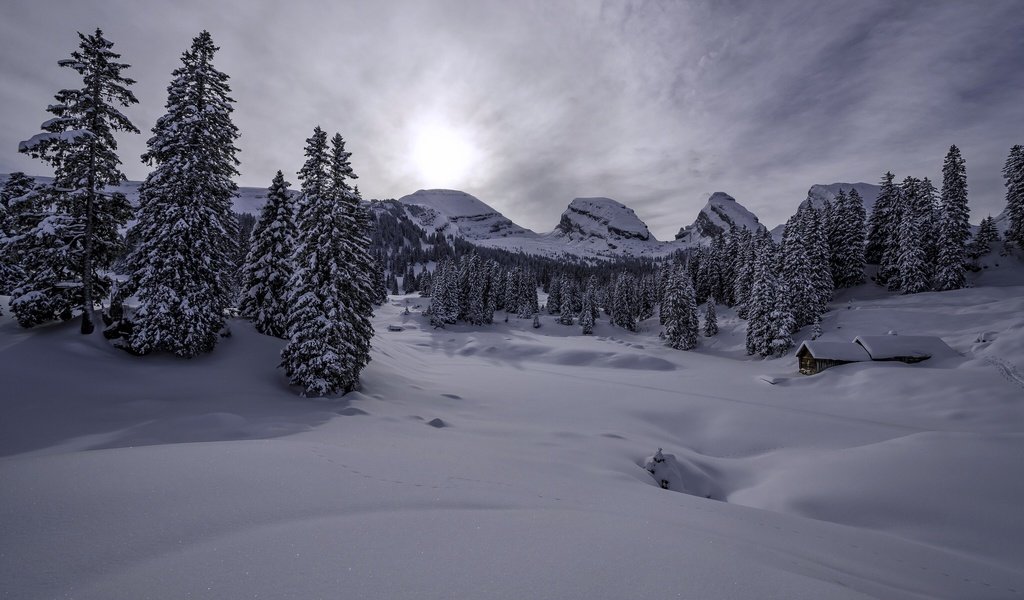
883,347
844,351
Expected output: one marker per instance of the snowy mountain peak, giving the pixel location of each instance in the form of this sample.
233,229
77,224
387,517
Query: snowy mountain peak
721,212
602,218
457,213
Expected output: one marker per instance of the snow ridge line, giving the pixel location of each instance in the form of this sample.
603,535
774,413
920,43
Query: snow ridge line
1007,369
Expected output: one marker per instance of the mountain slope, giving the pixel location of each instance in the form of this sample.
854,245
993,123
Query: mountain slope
721,212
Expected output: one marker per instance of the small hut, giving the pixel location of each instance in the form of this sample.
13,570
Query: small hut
816,356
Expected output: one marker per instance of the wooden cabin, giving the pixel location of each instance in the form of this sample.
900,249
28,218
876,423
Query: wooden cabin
816,356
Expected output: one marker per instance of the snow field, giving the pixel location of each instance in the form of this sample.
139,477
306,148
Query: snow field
870,480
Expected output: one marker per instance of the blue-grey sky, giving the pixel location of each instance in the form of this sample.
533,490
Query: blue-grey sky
528,104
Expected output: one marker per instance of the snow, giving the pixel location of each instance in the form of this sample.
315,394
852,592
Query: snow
716,217
507,461
846,351
885,347
458,213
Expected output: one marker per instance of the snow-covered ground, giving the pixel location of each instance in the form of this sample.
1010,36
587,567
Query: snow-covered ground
507,462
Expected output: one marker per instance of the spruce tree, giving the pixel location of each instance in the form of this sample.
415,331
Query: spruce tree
710,319
955,227
268,265
182,268
1013,177
567,311
81,237
854,223
331,291
680,310
781,323
912,261
554,295
764,293
883,220
19,214
624,304
587,312
987,235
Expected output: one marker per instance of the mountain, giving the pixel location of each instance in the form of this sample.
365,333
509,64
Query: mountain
456,213
721,212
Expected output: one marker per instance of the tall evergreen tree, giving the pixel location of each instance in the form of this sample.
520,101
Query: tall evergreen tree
330,292
19,215
710,319
780,322
1013,177
955,227
761,328
81,236
680,309
881,227
182,268
911,257
854,224
587,312
987,235
624,302
268,265
554,294
566,313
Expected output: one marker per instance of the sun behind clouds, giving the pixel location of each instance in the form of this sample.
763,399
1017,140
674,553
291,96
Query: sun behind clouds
443,155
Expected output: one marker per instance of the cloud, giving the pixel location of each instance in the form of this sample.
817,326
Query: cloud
656,104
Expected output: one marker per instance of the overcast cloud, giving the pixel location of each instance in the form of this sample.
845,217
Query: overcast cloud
655,104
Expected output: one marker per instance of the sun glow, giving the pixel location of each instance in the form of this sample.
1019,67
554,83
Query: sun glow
443,155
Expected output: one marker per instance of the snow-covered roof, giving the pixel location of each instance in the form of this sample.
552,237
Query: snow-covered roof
845,351
883,347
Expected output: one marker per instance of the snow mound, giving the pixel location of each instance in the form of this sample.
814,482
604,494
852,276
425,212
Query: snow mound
721,212
681,475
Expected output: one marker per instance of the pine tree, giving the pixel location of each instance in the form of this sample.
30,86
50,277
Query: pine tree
81,236
710,319
781,323
987,235
268,265
854,223
955,227
624,311
912,258
182,267
761,329
409,281
587,312
331,292
554,294
883,221
566,311
680,310
1013,176
19,215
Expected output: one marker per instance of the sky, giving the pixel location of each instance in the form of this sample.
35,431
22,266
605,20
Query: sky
529,104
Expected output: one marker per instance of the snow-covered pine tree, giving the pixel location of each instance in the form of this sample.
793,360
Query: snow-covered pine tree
624,304
987,234
710,319
81,237
528,295
444,299
19,215
883,220
409,281
331,293
588,310
912,258
763,295
566,311
1013,178
835,227
781,321
268,265
891,247
182,268
513,299
680,310
954,225
796,267
854,223
818,256
554,294
744,268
